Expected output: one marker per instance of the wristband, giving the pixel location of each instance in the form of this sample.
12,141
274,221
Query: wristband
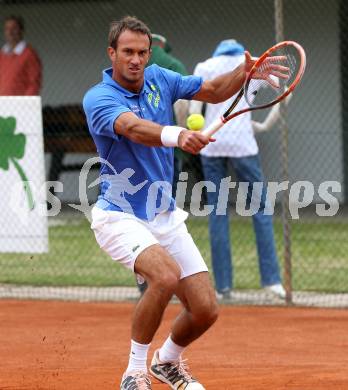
170,135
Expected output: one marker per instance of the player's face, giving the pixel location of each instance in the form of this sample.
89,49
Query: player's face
130,58
12,32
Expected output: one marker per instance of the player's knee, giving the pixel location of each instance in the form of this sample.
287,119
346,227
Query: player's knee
213,314
166,282
207,313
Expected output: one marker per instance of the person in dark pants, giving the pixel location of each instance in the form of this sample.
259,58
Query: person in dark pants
236,147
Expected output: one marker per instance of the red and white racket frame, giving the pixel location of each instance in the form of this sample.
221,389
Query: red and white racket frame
218,123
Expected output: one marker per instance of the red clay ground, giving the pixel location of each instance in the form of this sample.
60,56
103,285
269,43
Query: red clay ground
84,346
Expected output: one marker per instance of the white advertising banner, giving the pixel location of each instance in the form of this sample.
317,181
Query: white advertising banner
23,219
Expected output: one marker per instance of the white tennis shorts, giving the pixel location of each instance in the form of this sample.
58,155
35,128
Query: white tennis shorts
124,236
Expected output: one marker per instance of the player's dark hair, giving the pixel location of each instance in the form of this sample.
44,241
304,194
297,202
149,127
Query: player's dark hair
127,23
18,19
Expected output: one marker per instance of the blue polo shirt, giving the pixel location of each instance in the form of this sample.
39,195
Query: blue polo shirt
136,178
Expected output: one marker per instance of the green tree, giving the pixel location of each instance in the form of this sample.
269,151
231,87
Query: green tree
12,149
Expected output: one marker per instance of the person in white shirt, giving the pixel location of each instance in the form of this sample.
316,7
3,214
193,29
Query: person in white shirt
236,146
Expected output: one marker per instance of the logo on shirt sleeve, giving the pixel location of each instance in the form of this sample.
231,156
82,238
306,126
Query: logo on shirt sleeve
135,108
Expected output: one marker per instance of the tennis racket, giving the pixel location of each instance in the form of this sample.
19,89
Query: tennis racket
262,90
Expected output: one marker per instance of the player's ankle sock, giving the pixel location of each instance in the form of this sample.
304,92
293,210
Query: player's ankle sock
138,357
170,352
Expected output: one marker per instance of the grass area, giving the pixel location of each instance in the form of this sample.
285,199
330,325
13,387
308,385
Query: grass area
319,252
319,256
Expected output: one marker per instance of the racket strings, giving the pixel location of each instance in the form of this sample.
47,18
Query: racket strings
292,64
264,69
260,92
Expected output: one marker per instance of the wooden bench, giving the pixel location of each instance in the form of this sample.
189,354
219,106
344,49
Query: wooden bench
65,131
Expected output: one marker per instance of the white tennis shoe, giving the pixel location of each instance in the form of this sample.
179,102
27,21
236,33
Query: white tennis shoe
175,374
135,380
277,290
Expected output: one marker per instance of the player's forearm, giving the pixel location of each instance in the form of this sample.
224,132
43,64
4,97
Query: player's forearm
228,84
139,131
222,87
151,134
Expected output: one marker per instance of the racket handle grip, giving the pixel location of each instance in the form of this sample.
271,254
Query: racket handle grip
213,127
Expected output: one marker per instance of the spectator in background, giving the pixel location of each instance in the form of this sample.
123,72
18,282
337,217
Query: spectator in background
20,65
161,55
235,145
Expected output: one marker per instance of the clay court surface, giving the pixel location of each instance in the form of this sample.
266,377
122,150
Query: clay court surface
67,345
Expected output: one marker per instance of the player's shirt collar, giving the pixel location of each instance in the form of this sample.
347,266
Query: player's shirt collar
107,79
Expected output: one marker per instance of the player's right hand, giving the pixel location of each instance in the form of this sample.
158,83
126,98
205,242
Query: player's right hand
193,141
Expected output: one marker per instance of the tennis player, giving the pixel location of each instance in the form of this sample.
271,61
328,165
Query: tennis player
135,219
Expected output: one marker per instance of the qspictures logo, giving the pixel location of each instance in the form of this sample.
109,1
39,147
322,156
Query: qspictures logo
13,149
119,187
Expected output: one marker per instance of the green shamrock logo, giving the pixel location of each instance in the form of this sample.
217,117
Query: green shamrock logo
12,148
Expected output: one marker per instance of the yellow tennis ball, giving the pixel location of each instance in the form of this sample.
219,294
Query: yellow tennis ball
195,122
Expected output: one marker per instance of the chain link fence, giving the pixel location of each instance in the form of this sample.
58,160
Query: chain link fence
61,259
